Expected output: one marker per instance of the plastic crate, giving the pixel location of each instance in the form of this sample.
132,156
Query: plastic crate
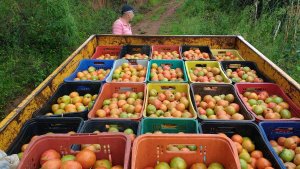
169,125
173,63
218,89
245,129
233,65
274,130
134,49
109,88
119,63
40,126
210,148
90,126
85,64
192,64
205,49
180,87
66,89
272,89
166,48
112,50
222,52
114,147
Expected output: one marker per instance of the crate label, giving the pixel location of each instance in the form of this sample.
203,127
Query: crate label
234,66
284,130
83,88
213,88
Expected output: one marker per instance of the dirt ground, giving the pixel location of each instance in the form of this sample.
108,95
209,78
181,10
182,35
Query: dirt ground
151,27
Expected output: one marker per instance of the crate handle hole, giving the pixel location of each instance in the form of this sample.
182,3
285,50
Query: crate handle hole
200,65
168,87
99,63
125,89
221,52
234,66
166,64
168,126
181,148
212,88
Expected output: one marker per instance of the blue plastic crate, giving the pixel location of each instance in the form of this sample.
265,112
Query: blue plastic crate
274,130
85,64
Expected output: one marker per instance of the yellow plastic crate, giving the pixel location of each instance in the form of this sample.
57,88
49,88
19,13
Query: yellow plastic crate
192,64
180,87
216,52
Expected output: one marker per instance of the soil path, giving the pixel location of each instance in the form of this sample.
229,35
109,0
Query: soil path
151,26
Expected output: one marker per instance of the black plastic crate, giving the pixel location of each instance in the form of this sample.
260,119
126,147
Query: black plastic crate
218,89
245,129
237,64
66,89
134,49
40,126
201,48
90,126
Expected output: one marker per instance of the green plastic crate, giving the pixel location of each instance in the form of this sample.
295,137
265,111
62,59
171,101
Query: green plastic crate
174,64
169,125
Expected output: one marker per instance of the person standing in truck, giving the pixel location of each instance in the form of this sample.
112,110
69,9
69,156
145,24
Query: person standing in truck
122,25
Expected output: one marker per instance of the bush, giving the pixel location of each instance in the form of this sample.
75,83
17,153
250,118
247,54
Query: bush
238,17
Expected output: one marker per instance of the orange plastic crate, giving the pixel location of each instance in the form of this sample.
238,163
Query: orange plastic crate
107,91
114,147
150,149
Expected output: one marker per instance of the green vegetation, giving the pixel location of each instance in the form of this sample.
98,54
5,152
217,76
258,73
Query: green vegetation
37,36
240,17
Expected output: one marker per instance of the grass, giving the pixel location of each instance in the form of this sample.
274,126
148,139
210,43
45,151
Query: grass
206,18
158,13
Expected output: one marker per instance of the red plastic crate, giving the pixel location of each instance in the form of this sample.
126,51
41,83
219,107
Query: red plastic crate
166,48
112,50
272,89
107,91
150,149
114,147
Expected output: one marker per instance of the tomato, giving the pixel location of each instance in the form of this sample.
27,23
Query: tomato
86,158
52,164
263,163
71,165
49,155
